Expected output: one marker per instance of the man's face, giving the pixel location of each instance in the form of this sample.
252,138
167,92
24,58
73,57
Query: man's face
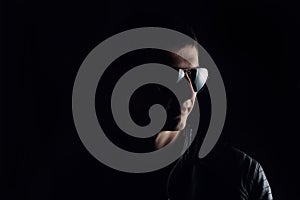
191,54
177,112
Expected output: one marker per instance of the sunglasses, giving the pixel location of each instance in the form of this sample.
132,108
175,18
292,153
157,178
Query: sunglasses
196,75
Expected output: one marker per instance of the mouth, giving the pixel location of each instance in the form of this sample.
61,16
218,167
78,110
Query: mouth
179,114
177,117
184,110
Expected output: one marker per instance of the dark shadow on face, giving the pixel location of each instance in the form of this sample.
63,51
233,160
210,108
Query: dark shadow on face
148,95
140,102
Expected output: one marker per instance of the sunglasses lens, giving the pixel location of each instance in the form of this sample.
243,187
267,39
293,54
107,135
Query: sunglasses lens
180,75
199,77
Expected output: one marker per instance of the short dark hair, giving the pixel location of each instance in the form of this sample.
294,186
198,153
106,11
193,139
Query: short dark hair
155,19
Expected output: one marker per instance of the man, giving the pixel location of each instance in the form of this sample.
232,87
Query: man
226,173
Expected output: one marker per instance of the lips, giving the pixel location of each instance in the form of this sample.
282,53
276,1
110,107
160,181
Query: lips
177,118
178,115
184,110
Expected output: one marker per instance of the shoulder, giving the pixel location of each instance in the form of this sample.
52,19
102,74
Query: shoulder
232,164
233,157
243,170
238,163
241,159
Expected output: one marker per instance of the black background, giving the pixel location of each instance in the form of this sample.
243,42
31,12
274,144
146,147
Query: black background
254,44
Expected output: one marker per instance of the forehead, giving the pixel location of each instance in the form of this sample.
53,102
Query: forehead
190,53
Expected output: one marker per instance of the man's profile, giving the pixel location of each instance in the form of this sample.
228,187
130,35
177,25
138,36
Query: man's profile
225,173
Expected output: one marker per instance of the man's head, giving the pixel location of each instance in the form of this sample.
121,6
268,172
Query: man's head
188,74
185,61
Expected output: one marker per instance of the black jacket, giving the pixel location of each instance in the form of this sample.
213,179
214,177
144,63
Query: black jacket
226,173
